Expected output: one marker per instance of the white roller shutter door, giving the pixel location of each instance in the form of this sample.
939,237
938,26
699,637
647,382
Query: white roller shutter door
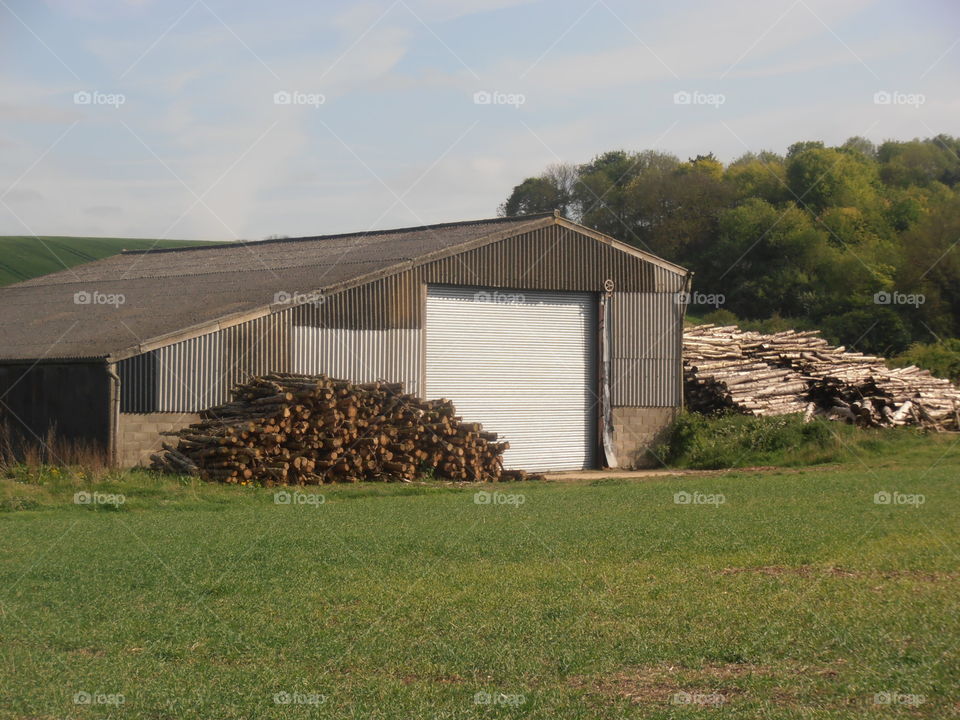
523,364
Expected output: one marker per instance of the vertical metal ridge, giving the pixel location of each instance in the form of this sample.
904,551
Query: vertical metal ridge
646,339
359,355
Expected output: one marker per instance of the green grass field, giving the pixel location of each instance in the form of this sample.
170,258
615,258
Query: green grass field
798,596
25,257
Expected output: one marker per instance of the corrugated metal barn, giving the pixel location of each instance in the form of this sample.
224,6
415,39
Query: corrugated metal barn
563,340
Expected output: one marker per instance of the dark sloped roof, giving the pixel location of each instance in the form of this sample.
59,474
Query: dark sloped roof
168,290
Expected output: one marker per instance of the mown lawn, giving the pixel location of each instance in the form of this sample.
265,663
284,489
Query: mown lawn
798,596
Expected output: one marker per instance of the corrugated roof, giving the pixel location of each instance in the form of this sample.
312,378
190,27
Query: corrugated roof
168,290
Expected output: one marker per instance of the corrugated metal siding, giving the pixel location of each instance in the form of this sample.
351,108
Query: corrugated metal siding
646,338
360,355
138,383
194,374
190,374
525,367
71,400
392,302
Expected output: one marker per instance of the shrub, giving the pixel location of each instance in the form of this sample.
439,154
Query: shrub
712,443
721,316
941,358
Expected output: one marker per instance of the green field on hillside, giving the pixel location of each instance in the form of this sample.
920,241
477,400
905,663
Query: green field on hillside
23,257
796,593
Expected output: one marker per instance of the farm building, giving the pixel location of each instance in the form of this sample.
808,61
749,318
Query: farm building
563,340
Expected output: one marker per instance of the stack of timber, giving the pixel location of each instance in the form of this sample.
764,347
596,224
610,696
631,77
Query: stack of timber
729,369
299,429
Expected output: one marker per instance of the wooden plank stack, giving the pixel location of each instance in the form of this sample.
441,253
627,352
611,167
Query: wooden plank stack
729,369
298,429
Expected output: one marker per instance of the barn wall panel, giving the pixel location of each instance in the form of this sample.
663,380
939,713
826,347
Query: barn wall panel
646,344
360,355
68,402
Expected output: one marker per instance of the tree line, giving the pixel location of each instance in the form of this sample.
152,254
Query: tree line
857,240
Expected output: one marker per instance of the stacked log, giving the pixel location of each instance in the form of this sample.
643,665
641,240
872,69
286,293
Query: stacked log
729,369
298,429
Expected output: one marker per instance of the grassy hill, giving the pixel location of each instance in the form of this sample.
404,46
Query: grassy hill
24,257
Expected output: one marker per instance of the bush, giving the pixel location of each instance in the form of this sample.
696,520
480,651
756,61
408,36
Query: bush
713,443
875,330
942,358
721,316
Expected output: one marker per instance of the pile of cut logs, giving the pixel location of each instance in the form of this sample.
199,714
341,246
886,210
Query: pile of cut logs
729,369
298,429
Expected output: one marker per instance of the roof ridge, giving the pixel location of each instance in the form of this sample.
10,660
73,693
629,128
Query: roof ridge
363,233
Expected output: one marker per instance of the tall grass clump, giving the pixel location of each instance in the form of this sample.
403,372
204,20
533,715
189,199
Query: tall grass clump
711,443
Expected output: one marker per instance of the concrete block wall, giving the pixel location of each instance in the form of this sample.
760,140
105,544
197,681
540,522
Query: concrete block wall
639,429
139,434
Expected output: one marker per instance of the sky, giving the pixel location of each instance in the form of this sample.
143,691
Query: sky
224,120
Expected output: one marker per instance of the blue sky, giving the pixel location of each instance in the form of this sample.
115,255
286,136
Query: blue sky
162,119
